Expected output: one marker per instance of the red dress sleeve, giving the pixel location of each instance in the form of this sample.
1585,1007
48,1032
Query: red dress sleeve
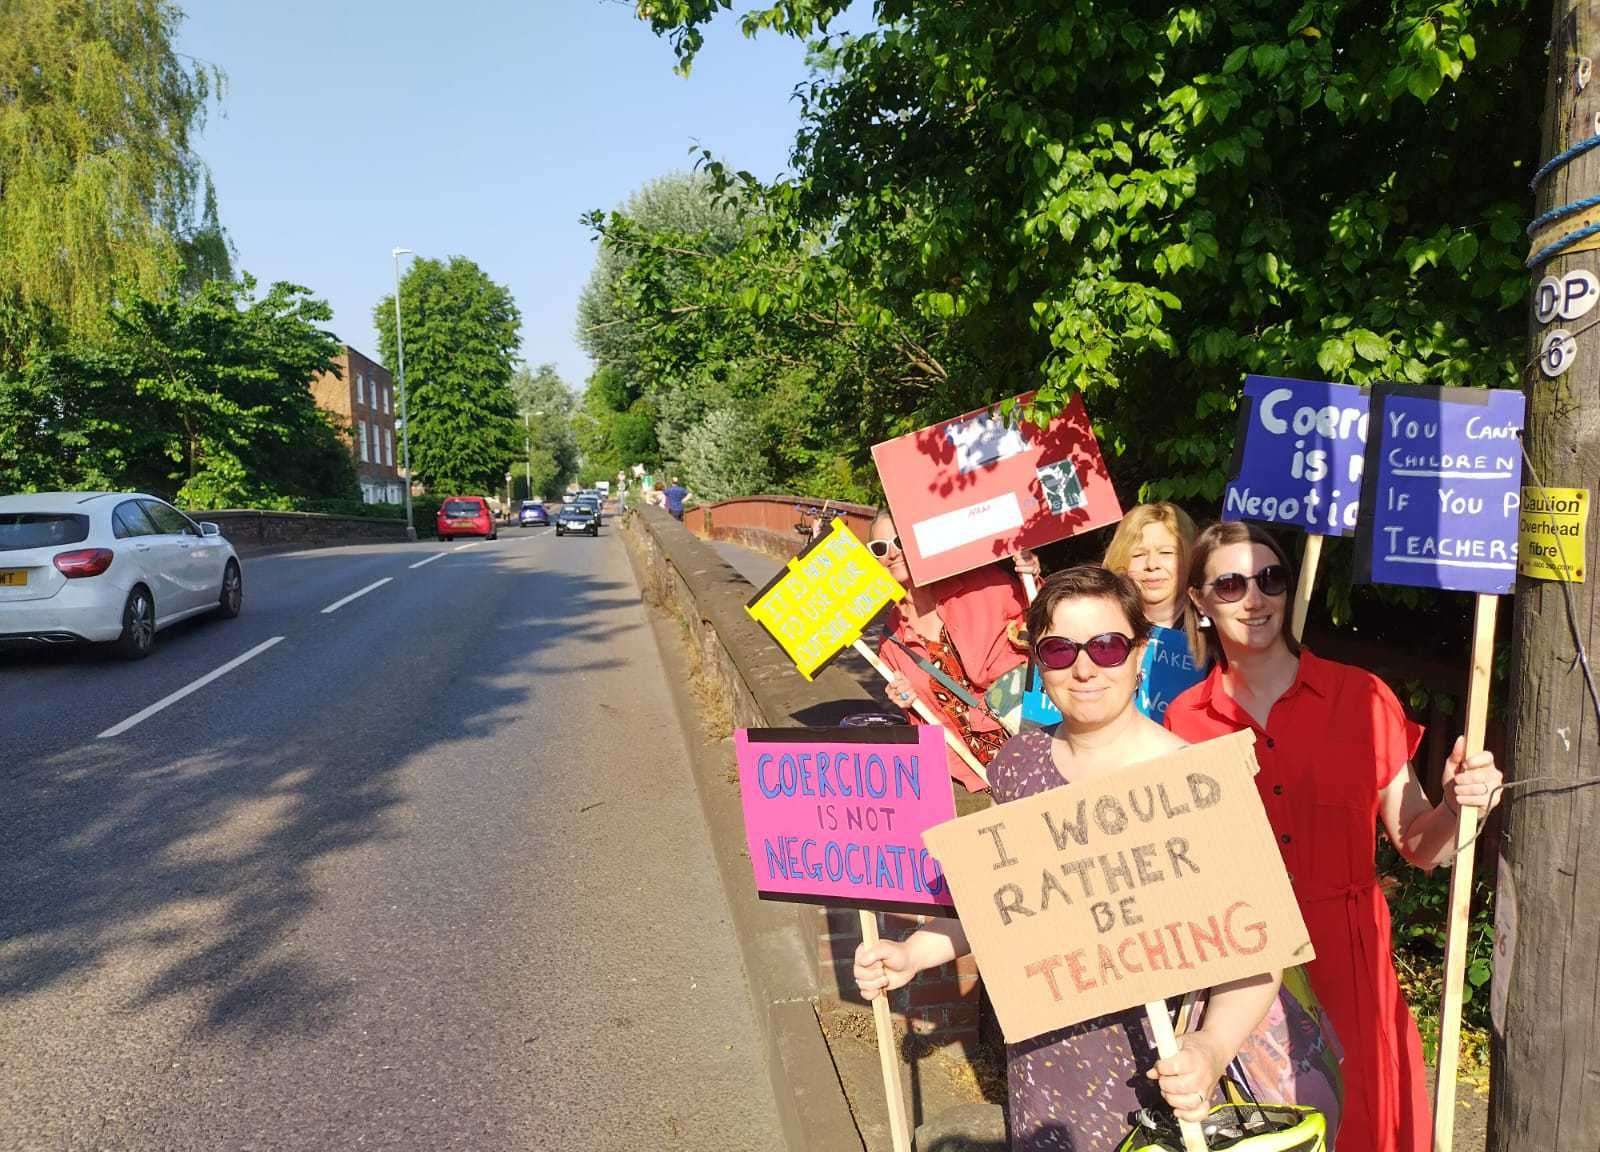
1395,736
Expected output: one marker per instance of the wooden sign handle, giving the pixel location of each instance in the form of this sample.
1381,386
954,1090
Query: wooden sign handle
1030,586
1455,949
899,1129
1310,559
1194,1140
957,744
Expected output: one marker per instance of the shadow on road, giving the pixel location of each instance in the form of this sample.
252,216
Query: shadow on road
190,856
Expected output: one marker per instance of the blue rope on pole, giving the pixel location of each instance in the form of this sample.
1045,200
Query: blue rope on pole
1562,213
1561,159
1550,251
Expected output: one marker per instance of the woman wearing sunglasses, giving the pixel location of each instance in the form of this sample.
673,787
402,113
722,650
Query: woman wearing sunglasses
1151,547
950,641
1335,749
1075,1088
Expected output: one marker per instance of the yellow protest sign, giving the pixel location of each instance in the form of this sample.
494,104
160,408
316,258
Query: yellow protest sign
821,601
1551,531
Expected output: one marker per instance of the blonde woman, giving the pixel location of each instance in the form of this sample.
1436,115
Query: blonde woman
1151,547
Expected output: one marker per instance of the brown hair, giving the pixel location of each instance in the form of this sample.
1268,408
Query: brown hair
1223,535
1086,582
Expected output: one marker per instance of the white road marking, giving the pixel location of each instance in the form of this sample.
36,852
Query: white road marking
356,595
464,547
167,701
430,559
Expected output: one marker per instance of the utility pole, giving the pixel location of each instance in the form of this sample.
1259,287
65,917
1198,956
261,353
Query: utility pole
1546,1080
527,455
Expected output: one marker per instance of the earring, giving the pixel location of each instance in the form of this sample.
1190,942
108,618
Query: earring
1205,621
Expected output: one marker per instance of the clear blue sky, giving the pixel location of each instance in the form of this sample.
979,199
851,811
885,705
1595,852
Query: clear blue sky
481,128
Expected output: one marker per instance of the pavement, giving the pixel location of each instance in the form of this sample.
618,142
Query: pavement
422,869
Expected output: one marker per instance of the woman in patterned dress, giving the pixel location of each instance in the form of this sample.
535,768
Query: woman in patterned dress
1074,1089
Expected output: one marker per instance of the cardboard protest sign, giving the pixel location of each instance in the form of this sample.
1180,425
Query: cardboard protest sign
820,601
970,490
1124,889
1442,488
1298,455
1552,529
837,814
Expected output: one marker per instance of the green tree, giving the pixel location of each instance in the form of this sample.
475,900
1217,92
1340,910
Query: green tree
98,178
205,398
461,342
1144,204
549,442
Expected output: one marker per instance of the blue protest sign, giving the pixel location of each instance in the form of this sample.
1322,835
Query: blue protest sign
1168,670
1037,708
1442,488
1298,455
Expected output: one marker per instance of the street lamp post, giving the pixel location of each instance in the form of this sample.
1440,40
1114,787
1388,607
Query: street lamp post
405,420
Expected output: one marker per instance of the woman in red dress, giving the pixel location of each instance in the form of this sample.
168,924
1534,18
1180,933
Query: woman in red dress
967,627
1335,749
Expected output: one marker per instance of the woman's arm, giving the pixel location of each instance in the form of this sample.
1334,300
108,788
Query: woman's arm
890,964
1425,833
1232,1013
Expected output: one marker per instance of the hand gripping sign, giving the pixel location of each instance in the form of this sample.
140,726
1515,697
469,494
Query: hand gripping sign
969,491
1440,510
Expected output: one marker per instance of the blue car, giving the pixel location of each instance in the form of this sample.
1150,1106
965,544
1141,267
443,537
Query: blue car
533,512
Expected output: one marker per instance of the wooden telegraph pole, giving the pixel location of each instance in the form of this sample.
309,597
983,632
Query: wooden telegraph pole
1546,1089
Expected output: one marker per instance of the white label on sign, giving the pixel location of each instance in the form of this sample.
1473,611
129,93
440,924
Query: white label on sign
1571,297
1557,353
983,440
951,530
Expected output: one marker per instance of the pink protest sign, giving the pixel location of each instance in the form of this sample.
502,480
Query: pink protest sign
836,815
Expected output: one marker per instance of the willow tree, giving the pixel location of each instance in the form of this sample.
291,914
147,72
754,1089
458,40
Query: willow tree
98,176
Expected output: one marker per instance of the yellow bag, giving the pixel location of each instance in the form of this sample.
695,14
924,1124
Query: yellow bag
1236,1127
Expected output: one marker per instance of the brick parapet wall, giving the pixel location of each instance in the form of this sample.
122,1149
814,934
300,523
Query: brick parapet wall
253,530
763,690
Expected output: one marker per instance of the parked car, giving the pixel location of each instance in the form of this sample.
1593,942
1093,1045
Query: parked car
532,512
108,567
466,516
578,516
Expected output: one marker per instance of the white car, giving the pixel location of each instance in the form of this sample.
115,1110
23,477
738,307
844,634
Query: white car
108,567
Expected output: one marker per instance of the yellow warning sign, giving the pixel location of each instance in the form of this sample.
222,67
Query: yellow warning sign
1551,531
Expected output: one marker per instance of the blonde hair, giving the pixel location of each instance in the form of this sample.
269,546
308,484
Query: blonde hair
1119,553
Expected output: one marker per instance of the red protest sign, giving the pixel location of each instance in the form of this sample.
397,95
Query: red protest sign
968,491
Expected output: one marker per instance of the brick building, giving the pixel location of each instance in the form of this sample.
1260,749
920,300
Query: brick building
361,395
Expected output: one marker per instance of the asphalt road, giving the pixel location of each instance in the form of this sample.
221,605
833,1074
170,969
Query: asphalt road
428,872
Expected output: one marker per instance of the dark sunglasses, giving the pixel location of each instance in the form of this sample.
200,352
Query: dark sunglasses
1108,650
880,548
1273,580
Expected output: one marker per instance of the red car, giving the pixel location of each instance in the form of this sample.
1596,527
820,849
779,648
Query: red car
465,516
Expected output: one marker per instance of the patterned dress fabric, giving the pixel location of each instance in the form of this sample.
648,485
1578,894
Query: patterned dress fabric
1075,1089
984,745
